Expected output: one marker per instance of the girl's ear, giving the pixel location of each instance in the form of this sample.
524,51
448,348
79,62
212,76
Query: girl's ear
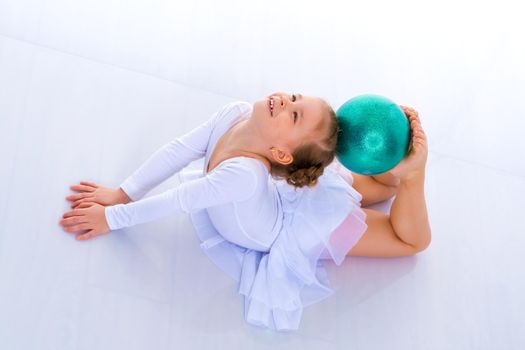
281,156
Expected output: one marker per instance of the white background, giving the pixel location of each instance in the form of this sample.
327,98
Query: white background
90,89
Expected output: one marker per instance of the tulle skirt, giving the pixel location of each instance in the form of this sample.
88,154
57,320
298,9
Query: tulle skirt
320,223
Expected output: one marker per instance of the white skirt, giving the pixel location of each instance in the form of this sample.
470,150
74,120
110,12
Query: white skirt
320,223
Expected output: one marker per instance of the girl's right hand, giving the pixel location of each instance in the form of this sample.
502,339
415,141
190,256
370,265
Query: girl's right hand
93,193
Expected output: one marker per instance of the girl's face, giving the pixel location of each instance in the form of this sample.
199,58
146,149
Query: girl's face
293,119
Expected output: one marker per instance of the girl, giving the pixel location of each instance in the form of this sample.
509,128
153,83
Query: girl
271,202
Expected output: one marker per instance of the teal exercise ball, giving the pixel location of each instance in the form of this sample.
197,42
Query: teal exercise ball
374,134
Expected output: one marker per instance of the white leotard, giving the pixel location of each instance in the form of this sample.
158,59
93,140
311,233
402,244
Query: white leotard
239,195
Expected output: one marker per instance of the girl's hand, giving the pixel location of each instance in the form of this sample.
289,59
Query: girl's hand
88,216
93,193
413,164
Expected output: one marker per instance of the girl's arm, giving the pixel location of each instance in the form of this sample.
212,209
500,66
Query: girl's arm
231,181
172,157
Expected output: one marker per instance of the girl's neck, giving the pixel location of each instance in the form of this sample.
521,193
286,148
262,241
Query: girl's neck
244,141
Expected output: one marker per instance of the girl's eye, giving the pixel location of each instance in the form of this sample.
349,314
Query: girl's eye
294,113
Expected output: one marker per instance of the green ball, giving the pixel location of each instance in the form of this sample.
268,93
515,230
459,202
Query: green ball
375,134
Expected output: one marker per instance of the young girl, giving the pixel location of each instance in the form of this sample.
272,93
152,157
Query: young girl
271,202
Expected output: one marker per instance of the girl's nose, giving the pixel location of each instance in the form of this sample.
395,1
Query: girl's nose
284,101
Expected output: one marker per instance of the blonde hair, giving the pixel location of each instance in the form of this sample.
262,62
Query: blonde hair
312,156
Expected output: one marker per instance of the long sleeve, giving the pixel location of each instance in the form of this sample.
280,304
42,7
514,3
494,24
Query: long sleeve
172,157
231,181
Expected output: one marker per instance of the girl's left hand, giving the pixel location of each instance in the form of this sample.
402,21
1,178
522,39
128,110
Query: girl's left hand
87,216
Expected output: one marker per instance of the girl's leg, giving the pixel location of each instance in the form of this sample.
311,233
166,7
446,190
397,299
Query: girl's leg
408,213
406,231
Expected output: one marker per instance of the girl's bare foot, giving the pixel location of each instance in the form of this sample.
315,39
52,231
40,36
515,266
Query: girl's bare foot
413,164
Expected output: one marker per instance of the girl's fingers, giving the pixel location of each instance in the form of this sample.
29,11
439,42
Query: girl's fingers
73,220
78,227
76,212
82,205
85,204
77,203
74,197
89,183
82,188
87,235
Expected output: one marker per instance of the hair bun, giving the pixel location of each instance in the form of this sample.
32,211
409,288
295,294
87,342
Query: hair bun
305,176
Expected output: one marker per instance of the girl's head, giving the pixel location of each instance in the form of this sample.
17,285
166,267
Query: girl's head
301,132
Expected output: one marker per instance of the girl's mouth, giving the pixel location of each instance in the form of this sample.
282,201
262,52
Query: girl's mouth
270,105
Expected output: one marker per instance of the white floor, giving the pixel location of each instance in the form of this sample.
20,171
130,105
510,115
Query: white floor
90,89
